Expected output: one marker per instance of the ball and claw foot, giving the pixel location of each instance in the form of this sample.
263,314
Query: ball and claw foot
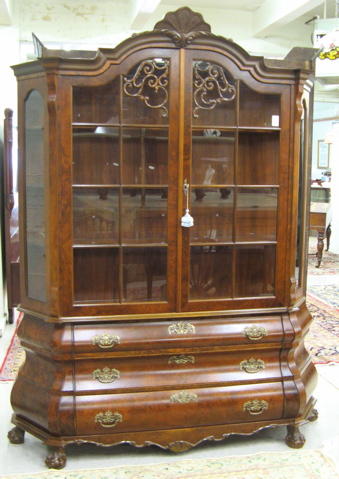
16,435
294,438
57,459
314,415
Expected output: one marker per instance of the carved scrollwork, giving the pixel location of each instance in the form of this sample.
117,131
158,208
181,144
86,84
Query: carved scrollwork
252,365
150,76
106,375
108,419
183,397
255,407
181,359
106,340
255,332
211,87
181,328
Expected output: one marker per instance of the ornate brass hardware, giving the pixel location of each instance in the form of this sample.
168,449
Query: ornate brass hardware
252,365
181,359
106,375
255,332
255,407
183,397
106,340
108,419
151,74
181,328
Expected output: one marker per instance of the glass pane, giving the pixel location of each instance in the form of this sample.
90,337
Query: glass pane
145,156
95,215
146,91
96,156
144,274
255,270
96,274
258,109
213,157
214,95
256,214
144,215
97,104
35,191
211,272
258,158
212,210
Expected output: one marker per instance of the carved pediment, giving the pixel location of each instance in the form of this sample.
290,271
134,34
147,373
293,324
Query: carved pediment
183,26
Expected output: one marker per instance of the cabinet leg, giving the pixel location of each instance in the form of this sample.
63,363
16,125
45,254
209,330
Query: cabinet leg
314,415
294,437
320,247
16,435
56,459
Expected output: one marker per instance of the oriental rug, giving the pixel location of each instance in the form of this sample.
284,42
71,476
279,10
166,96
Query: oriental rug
312,464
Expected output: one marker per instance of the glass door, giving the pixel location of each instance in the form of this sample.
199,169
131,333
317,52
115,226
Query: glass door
123,237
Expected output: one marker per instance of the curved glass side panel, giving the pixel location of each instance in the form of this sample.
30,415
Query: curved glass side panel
34,197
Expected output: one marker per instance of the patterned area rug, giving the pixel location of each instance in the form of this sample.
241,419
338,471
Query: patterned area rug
297,465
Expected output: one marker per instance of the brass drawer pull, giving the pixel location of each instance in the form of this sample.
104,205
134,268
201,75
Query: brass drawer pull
183,398
182,359
108,419
106,340
254,332
181,328
255,407
252,365
106,375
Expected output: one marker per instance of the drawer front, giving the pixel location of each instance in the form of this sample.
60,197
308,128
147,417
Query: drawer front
174,370
111,337
172,409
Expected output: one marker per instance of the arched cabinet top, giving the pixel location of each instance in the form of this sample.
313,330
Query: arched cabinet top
182,29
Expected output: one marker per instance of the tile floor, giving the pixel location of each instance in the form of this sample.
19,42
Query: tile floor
321,434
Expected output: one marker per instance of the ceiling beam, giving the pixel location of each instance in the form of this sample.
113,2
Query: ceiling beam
141,11
5,14
274,14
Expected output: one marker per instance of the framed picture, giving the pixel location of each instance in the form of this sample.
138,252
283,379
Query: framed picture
323,155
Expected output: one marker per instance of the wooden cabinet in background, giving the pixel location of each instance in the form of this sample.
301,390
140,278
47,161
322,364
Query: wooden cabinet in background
138,329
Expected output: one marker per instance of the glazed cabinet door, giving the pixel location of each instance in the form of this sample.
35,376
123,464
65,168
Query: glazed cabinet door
233,164
124,176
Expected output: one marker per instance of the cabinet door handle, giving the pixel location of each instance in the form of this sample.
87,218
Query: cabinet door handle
183,398
181,359
181,328
255,407
252,365
106,340
108,419
187,221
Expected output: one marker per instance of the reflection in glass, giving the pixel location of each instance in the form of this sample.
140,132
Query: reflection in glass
144,215
34,201
95,215
254,270
256,214
144,274
211,272
212,210
96,274
213,157
145,156
96,155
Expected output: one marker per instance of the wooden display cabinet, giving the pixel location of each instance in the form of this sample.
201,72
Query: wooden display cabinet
138,329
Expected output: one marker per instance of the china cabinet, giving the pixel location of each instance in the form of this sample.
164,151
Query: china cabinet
163,234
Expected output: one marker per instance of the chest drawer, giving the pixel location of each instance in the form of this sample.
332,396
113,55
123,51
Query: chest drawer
175,370
178,408
141,336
